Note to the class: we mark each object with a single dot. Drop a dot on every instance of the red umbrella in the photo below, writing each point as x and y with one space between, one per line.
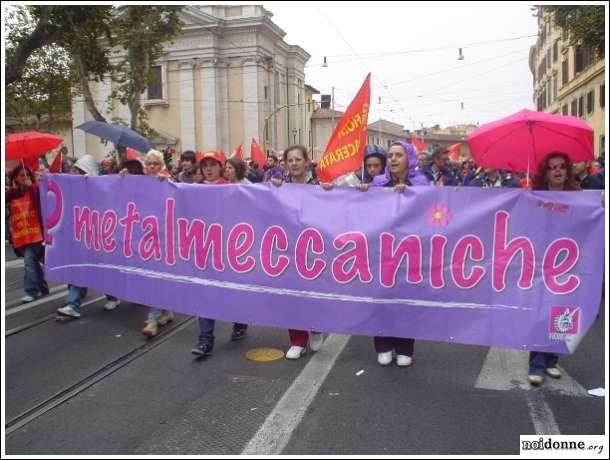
520 141
29 144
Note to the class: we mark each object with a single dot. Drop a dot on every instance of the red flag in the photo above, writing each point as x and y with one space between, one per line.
56 165
454 151
238 154
419 145
345 148
31 163
256 154
131 154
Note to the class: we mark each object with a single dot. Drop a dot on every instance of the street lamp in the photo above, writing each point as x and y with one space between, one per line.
294 135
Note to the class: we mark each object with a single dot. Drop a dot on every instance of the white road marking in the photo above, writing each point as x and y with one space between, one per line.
507 370
541 414
274 434
62 293
14 263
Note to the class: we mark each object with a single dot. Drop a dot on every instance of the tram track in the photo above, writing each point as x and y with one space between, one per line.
75 389
44 319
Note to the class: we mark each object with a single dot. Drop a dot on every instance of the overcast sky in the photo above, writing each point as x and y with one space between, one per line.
423 85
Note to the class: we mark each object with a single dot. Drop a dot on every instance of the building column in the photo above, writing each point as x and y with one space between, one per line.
79 143
222 81
187 105
209 104
292 111
250 93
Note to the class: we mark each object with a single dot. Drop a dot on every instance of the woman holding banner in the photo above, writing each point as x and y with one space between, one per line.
154 166
400 172
212 164
554 174
84 166
297 161
25 220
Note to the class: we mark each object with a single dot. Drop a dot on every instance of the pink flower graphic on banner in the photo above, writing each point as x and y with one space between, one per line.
438 215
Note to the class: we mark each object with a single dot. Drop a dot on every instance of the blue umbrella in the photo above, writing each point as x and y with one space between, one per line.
117 134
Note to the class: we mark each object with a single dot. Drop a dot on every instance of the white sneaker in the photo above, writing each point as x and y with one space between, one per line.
111 304
69 310
384 358
553 372
316 339
403 360
28 298
295 352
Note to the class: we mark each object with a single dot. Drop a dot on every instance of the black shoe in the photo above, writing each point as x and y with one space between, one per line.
203 349
238 334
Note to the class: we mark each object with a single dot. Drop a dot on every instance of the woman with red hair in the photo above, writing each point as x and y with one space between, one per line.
554 174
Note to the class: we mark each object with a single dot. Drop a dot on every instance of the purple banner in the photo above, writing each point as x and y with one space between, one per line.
499 267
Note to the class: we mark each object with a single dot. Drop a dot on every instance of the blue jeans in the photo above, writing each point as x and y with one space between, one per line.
75 295
206 332
33 276
154 313
540 360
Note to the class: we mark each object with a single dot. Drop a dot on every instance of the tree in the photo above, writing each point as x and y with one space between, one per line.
141 32
44 87
44 90
53 25
36 33
585 24
88 35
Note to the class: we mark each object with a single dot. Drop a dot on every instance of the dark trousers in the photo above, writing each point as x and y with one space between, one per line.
206 330
540 360
402 346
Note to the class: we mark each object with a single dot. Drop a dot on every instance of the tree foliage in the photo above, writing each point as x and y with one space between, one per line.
585 24
141 31
44 89
74 45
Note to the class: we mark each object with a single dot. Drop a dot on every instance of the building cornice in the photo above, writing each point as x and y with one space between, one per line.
582 79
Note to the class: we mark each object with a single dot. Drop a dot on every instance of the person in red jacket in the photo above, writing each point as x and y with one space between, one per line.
25 220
